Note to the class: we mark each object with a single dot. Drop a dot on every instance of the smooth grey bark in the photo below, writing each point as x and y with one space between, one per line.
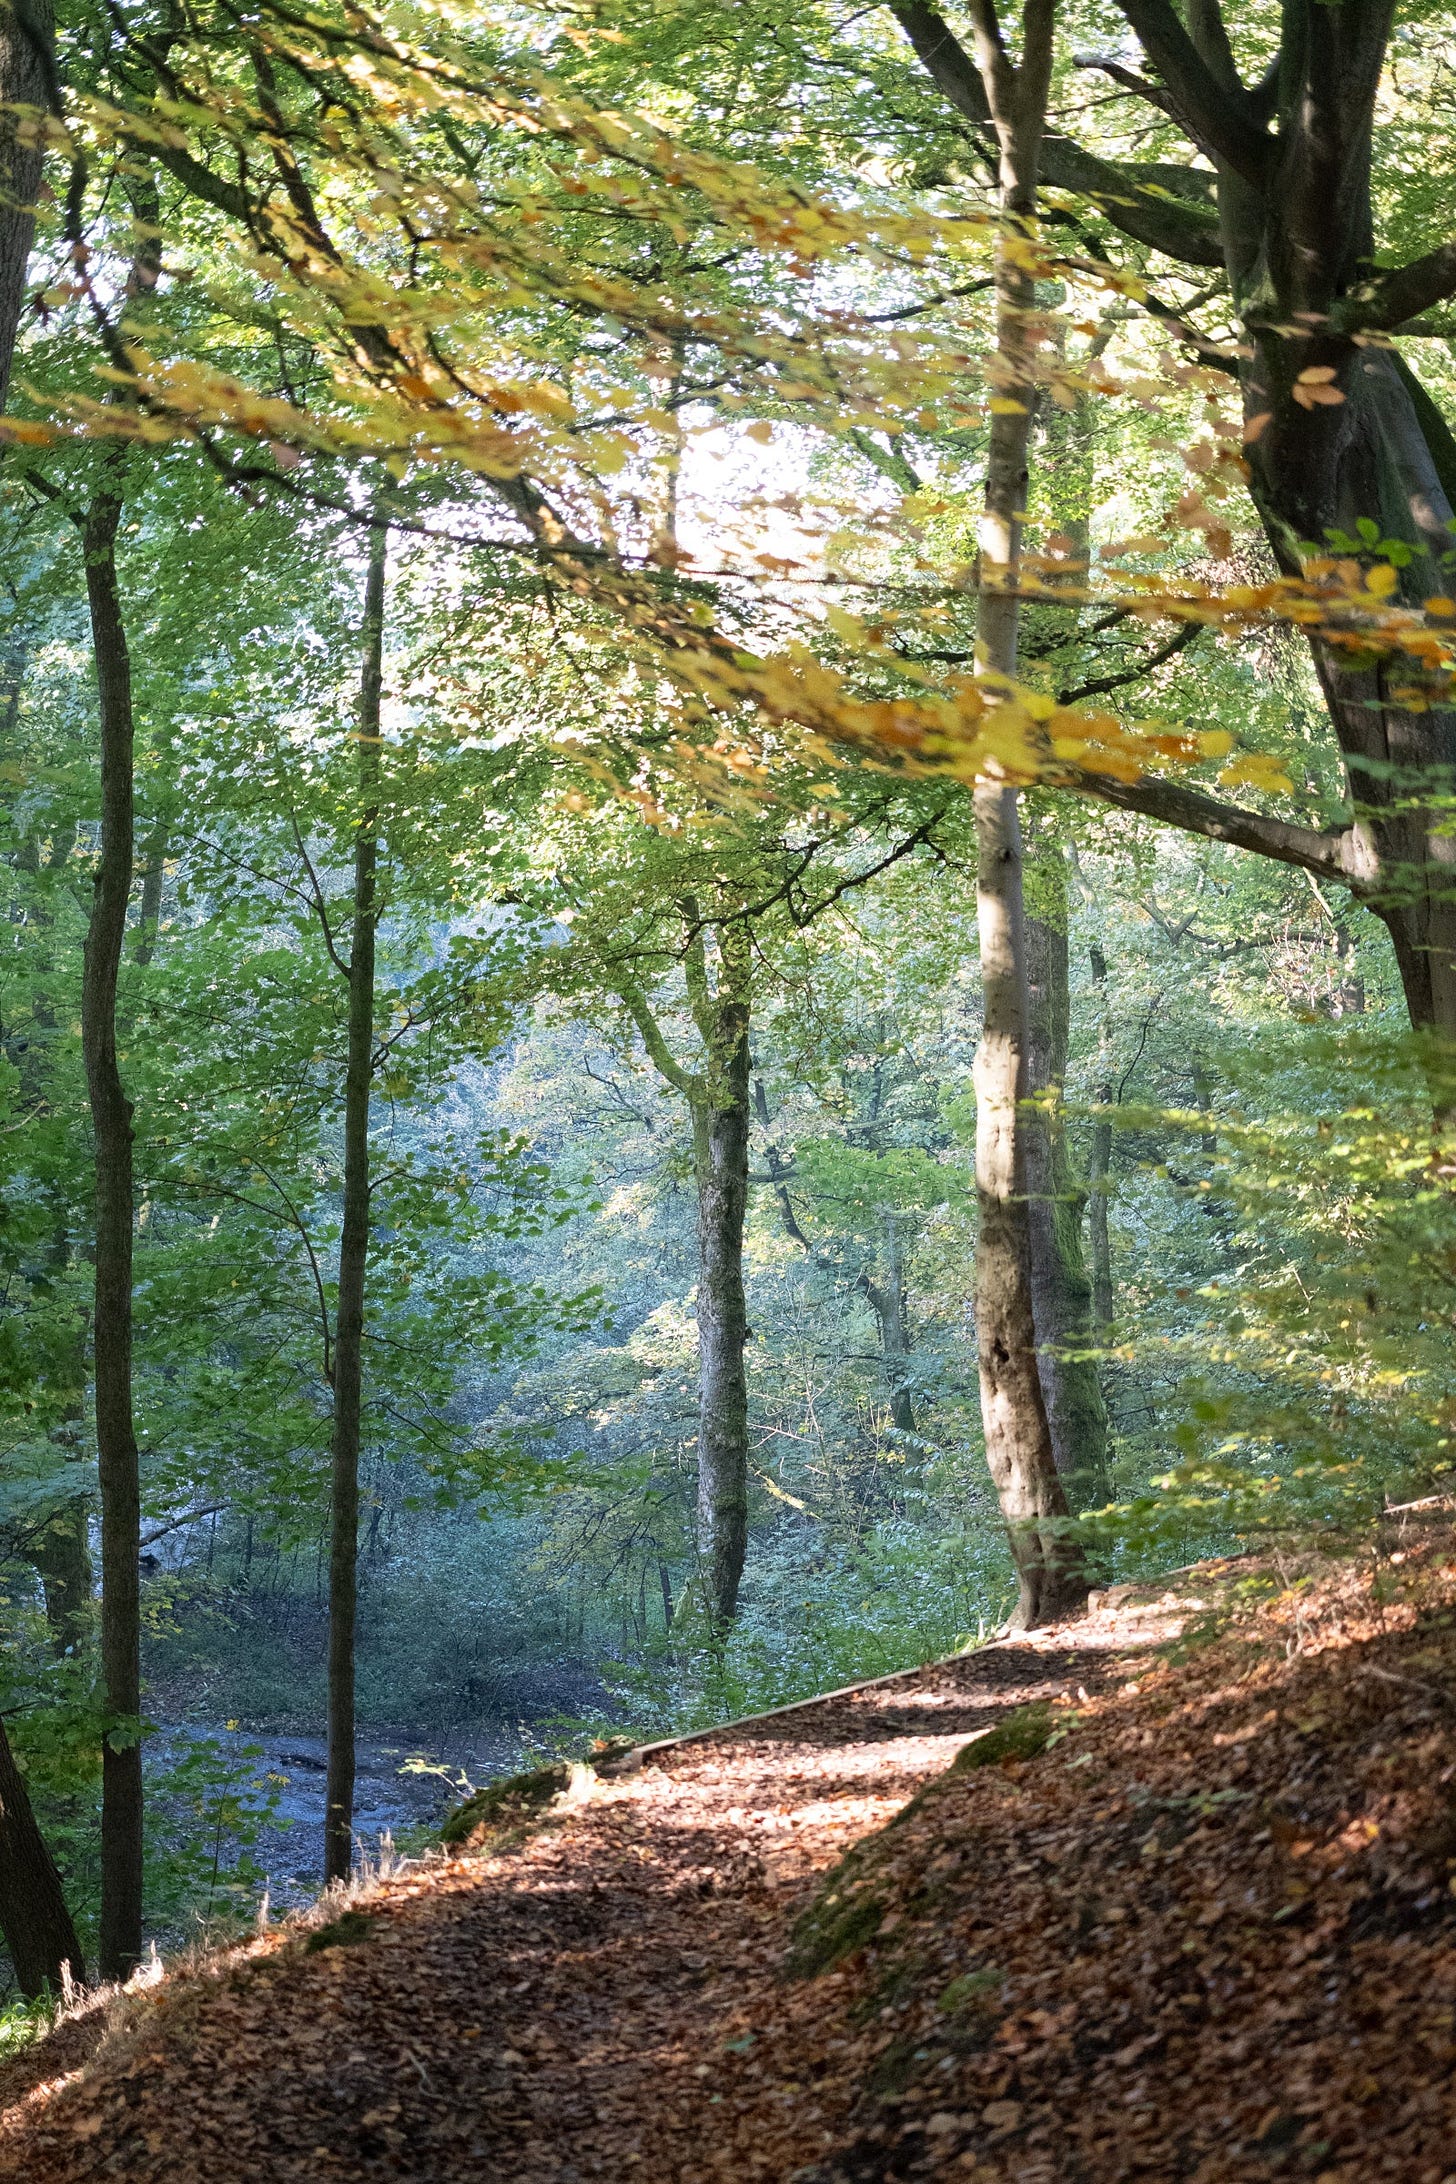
720 1152
1050 1577
120 1942
348 1358
34 1919
27 78
1061 1287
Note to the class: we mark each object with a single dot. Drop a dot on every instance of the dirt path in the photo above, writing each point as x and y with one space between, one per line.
565 2010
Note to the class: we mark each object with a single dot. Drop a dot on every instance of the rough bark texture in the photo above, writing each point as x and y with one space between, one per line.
33 1916
720 1144
1018 1439
27 78
120 1943
1061 1288
348 1361
1288 214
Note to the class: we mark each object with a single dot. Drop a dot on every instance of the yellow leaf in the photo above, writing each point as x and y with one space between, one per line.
1255 770
1001 405
1440 604
1216 743
1382 580
762 432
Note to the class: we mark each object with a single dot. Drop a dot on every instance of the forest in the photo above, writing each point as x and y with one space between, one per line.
728 764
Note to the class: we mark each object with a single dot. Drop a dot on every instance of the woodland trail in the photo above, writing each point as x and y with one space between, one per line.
570 2008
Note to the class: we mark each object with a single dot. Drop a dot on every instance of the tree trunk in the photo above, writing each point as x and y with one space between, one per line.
1297 228
120 1944
149 913
1013 1413
1099 1168
1061 1290
720 1144
27 78
1326 469
886 1299
33 1915
348 1361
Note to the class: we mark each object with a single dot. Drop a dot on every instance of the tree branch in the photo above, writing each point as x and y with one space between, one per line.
1176 644
1177 230
659 1053
1385 303
1334 854
1216 116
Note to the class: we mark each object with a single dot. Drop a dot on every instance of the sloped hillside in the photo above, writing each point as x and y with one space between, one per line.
1186 1911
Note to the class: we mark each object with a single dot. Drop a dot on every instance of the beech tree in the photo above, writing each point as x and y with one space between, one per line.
1339 432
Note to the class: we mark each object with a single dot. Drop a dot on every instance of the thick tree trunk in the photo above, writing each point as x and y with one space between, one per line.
1013 1413
27 78
348 1359
720 1142
1326 469
1061 1289
120 1942
1291 221
1297 227
33 1916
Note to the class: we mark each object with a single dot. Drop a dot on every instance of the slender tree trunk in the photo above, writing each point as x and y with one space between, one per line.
61 1559
27 78
348 1359
1099 1167
60 1551
1013 1413
33 1916
111 1114
150 909
1060 1285
720 1141
886 1299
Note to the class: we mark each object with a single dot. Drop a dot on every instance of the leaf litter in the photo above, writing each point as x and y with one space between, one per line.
1188 1913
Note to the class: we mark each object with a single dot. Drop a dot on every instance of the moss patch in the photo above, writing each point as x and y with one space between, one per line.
1024 1733
501 1808
344 1932
504 1805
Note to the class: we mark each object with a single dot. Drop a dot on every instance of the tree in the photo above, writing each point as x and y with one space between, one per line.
1013 1409
120 1945
27 79
348 1351
718 904
33 1917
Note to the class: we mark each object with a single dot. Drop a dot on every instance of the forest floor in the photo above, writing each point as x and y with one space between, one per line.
1194 1920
